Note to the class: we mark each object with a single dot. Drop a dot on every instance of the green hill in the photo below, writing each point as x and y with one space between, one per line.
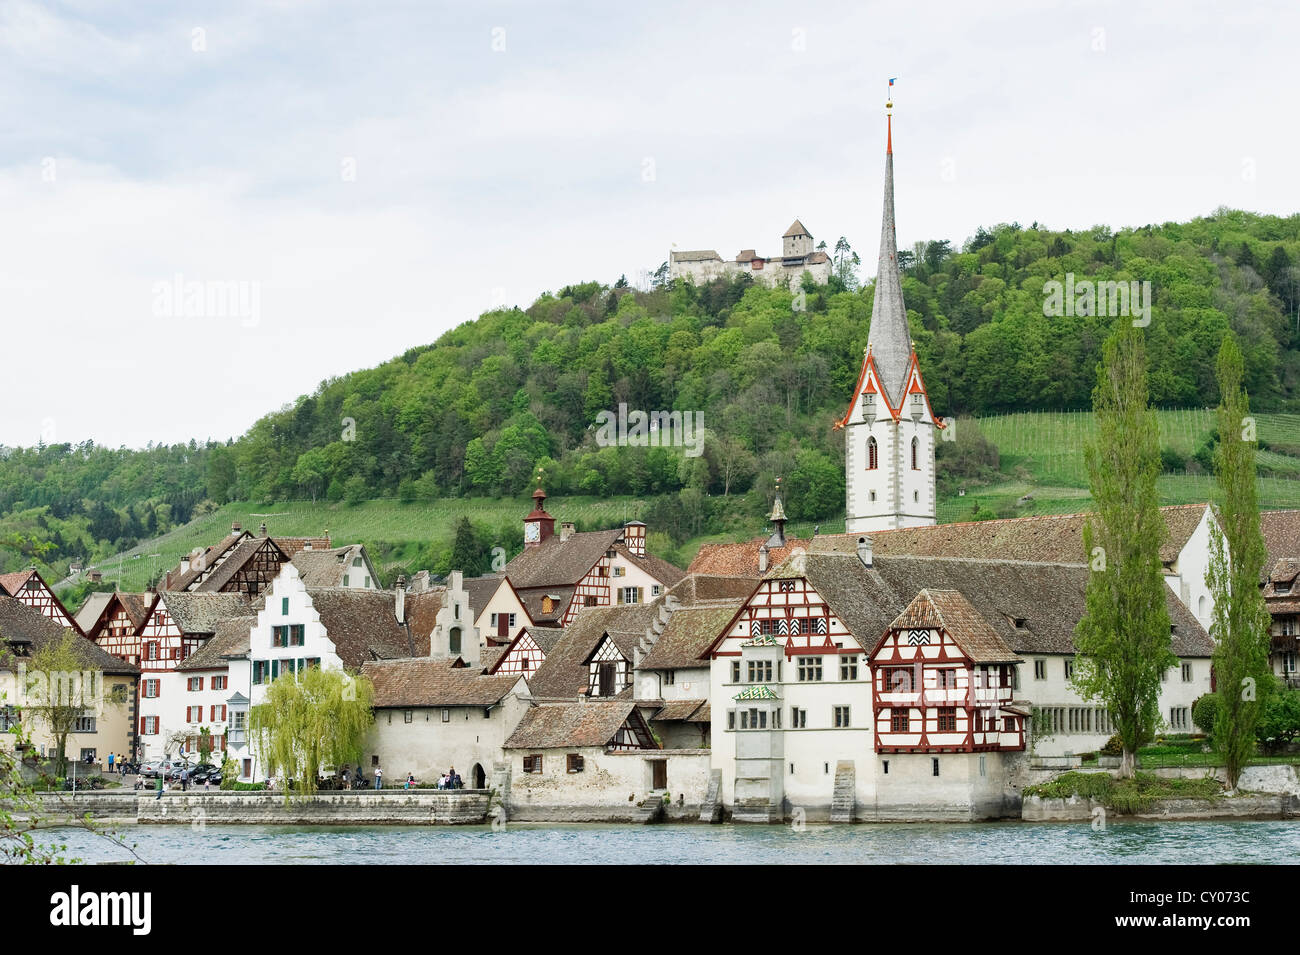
472 415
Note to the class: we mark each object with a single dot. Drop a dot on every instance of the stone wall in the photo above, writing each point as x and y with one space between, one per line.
1076 809
391 807
612 787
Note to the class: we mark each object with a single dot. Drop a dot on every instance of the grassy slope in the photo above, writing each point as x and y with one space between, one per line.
1043 452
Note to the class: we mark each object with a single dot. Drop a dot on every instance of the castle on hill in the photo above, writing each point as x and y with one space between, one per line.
797 257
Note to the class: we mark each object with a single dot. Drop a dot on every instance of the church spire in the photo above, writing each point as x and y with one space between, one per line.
888 338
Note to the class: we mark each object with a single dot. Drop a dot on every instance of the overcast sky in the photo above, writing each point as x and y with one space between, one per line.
377 173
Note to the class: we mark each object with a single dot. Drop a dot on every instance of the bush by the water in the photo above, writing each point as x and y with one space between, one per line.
1125 796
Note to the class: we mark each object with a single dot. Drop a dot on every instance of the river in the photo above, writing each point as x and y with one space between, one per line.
1120 842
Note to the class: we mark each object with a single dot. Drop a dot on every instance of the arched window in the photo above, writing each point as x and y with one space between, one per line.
916 466
872 457
454 642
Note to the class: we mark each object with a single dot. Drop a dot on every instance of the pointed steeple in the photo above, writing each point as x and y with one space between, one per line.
889 339
777 518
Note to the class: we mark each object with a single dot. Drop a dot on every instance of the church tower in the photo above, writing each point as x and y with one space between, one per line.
890 429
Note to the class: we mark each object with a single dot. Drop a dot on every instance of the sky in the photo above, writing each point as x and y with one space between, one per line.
206 209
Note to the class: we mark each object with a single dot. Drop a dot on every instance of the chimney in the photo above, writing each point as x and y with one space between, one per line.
399 609
762 558
235 528
262 530
566 530
864 551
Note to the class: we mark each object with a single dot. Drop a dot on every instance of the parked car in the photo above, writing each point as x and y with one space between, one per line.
151 768
204 771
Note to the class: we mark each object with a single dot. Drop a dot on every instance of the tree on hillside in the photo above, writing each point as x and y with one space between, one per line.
1123 639
1241 619
468 549
844 264
311 722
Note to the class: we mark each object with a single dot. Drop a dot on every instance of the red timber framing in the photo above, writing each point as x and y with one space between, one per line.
593 590
633 734
609 673
162 644
796 615
30 588
117 631
522 656
928 696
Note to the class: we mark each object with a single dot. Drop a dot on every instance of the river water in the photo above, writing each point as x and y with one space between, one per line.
1120 842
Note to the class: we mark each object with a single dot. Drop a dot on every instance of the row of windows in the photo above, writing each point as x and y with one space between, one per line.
1040 671
808 670
267 671
408 716
1051 720
873 453
292 635
195 683
217 713
903 679
756 719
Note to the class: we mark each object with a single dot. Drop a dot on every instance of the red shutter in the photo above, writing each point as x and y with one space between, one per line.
200 683
142 725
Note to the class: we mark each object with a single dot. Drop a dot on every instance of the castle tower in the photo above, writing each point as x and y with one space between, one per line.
796 241
890 428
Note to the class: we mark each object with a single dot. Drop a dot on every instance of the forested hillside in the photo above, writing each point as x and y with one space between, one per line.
479 410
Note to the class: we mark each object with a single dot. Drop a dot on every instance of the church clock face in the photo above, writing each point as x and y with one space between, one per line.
532 532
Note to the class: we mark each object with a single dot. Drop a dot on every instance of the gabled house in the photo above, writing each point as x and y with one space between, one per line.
432 716
527 651
499 613
117 626
336 567
596 655
30 587
107 727
239 563
201 688
558 575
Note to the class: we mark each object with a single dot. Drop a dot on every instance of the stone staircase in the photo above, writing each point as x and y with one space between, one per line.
842 800
711 810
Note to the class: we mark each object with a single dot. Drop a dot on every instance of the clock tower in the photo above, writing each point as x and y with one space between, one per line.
538 526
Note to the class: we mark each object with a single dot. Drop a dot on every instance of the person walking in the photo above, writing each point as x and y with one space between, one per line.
379 778
110 762
160 786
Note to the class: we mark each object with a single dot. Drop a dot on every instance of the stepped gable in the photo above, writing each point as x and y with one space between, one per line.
950 611
231 639
25 626
576 724
419 681
327 568
1047 599
199 613
361 625
563 674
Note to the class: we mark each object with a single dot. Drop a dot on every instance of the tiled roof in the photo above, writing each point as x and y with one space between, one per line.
422 611
688 634
233 562
679 710
230 639
419 681
481 589
695 588
91 610
10 584
1047 538
1281 531
952 612
181 580
200 613
1049 598
695 255
552 563
21 623
796 228
326 568
563 674
361 624
587 723
533 601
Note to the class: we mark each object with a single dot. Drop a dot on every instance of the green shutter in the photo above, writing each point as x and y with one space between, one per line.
284 607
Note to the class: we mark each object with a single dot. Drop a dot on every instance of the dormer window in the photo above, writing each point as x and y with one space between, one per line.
1282 587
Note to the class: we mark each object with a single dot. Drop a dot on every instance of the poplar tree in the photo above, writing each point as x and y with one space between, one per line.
1123 640
1240 624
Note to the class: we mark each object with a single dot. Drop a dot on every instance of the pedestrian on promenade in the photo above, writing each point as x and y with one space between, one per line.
379 778
160 786
110 762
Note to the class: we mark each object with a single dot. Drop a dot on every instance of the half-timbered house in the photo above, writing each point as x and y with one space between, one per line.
30 587
525 654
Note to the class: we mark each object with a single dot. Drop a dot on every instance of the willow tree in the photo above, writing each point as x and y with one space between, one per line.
1124 640
314 721
1240 623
